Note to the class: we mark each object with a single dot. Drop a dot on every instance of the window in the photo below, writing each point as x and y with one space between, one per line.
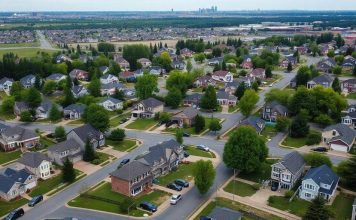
308 186
307 195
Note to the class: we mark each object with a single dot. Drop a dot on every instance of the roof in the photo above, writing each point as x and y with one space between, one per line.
292 161
26 80
151 102
46 105
277 107
9 177
131 170
255 122
78 89
64 146
54 76
20 133
143 60
22 106
76 107
128 74
114 85
346 134
160 151
323 174
193 97
187 113
86 132
257 72
108 76
5 79
225 213
115 101
322 78
32 159
103 68
221 73
350 81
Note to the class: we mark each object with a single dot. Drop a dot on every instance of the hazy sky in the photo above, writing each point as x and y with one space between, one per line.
147 5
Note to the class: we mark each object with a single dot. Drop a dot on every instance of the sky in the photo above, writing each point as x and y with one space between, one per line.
177 5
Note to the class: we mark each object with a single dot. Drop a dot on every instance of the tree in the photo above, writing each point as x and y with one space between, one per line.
223 65
89 152
173 98
106 47
33 97
317 210
68 172
289 67
299 127
97 116
49 87
209 99
303 76
60 133
180 80
282 124
204 175
248 102
337 70
331 53
16 90
117 135
245 150
216 52
336 85
94 87
25 116
54 113
255 86
354 71
179 136
316 160
134 52
165 61
240 91
278 95
146 85
38 82
215 125
68 97
346 170
189 66
199 124
8 105
268 72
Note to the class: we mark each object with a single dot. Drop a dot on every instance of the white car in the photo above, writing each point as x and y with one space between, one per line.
203 147
175 199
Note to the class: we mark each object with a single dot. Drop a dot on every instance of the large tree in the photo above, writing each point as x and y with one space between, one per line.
68 172
173 98
317 210
215 125
346 170
54 113
209 99
68 97
180 80
199 123
97 116
240 90
245 150
117 135
33 97
303 76
134 52
317 159
299 127
204 175
248 102
146 85
94 87
60 133
336 85
89 152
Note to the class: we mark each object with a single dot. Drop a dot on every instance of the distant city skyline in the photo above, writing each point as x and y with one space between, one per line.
177 5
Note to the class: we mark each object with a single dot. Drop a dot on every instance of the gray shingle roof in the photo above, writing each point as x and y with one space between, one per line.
131 170
115 101
86 132
293 161
26 80
159 151
277 107
193 97
325 78
23 134
346 134
76 107
55 76
3 80
255 122
323 174
33 159
10 176
77 89
64 146
187 113
151 102
225 214
112 86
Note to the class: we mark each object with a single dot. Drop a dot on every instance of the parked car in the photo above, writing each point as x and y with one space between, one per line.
186 134
174 187
320 149
35 200
186 154
274 186
155 181
203 147
181 183
205 218
17 213
148 206
175 199
124 161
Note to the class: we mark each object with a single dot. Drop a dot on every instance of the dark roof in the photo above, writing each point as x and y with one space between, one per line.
10 176
107 76
131 170
115 101
86 132
293 161
3 80
323 78
346 134
193 97
222 213
64 146
33 159
26 80
187 113
350 81
255 122
159 151
77 89
151 102
22 106
22 133
323 174
277 107
76 107
114 85
54 76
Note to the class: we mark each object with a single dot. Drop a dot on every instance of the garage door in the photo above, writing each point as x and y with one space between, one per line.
338 147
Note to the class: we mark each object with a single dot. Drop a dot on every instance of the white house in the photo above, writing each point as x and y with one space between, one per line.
111 104
37 163
223 76
108 78
6 84
79 91
354 210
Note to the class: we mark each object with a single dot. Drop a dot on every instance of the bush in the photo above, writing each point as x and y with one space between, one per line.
96 161
26 116
317 159
117 135
126 204
256 186
289 194
313 138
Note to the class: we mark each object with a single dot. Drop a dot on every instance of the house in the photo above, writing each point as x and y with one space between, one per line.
290 59
163 157
128 76
273 110
86 133
349 63
223 76
20 107
354 210
37 163
147 108
43 110
132 179
186 53
111 104
178 64
28 81
204 81
6 84
108 78
62 58
339 137
288 170
231 87
56 77
79 74
156 70
225 98
186 117
69 148
225 214
144 62
215 61
247 63
110 89
255 122
258 73
192 100
15 183
350 118
17 137
74 111
301 50
79 91
124 64
326 65
245 79
349 85
104 69
320 181
324 80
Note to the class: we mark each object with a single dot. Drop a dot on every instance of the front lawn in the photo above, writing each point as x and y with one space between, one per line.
342 206
184 171
6 207
141 124
351 96
191 130
114 122
263 173
6 157
101 158
233 108
125 145
44 186
297 206
200 153
240 188
76 122
294 142
268 132
46 142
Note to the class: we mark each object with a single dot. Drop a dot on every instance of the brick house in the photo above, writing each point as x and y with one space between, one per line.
12 138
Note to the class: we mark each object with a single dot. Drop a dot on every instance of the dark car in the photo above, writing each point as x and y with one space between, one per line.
148 206
124 161
174 187
35 200
186 134
274 186
205 218
17 213
181 183
186 154
320 149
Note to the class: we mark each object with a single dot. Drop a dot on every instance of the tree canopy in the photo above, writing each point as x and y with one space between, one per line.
146 85
204 175
248 102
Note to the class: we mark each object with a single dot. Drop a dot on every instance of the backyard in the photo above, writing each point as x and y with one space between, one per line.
6 207
192 150
184 171
125 145
141 124
239 188
10 156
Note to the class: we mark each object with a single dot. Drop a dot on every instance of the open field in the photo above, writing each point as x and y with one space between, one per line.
25 52
33 44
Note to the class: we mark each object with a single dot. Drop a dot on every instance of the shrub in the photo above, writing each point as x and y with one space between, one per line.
26 116
117 135
313 138
96 161
289 194
256 186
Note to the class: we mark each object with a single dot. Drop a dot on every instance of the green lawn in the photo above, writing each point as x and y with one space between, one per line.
125 145
263 173
46 142
226 203
192 150
191 130
142 124
294 142
10 156
240 188
114 122
233 108
104 191
6 116
184 171
297 206
342 206
6 207
268 132
32 44
76 122
351 96
45 186
27 52
101 158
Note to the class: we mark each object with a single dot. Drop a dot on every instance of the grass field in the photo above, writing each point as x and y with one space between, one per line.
351 96
10 156
184 171
6 207
263 173
233 108
141 124
297 206
240 188
342 206
27 52
268 132
294 142
101 158
33 44
191 130
45 186
124 145
200 153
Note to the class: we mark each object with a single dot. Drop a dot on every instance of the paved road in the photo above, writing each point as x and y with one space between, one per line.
45 44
